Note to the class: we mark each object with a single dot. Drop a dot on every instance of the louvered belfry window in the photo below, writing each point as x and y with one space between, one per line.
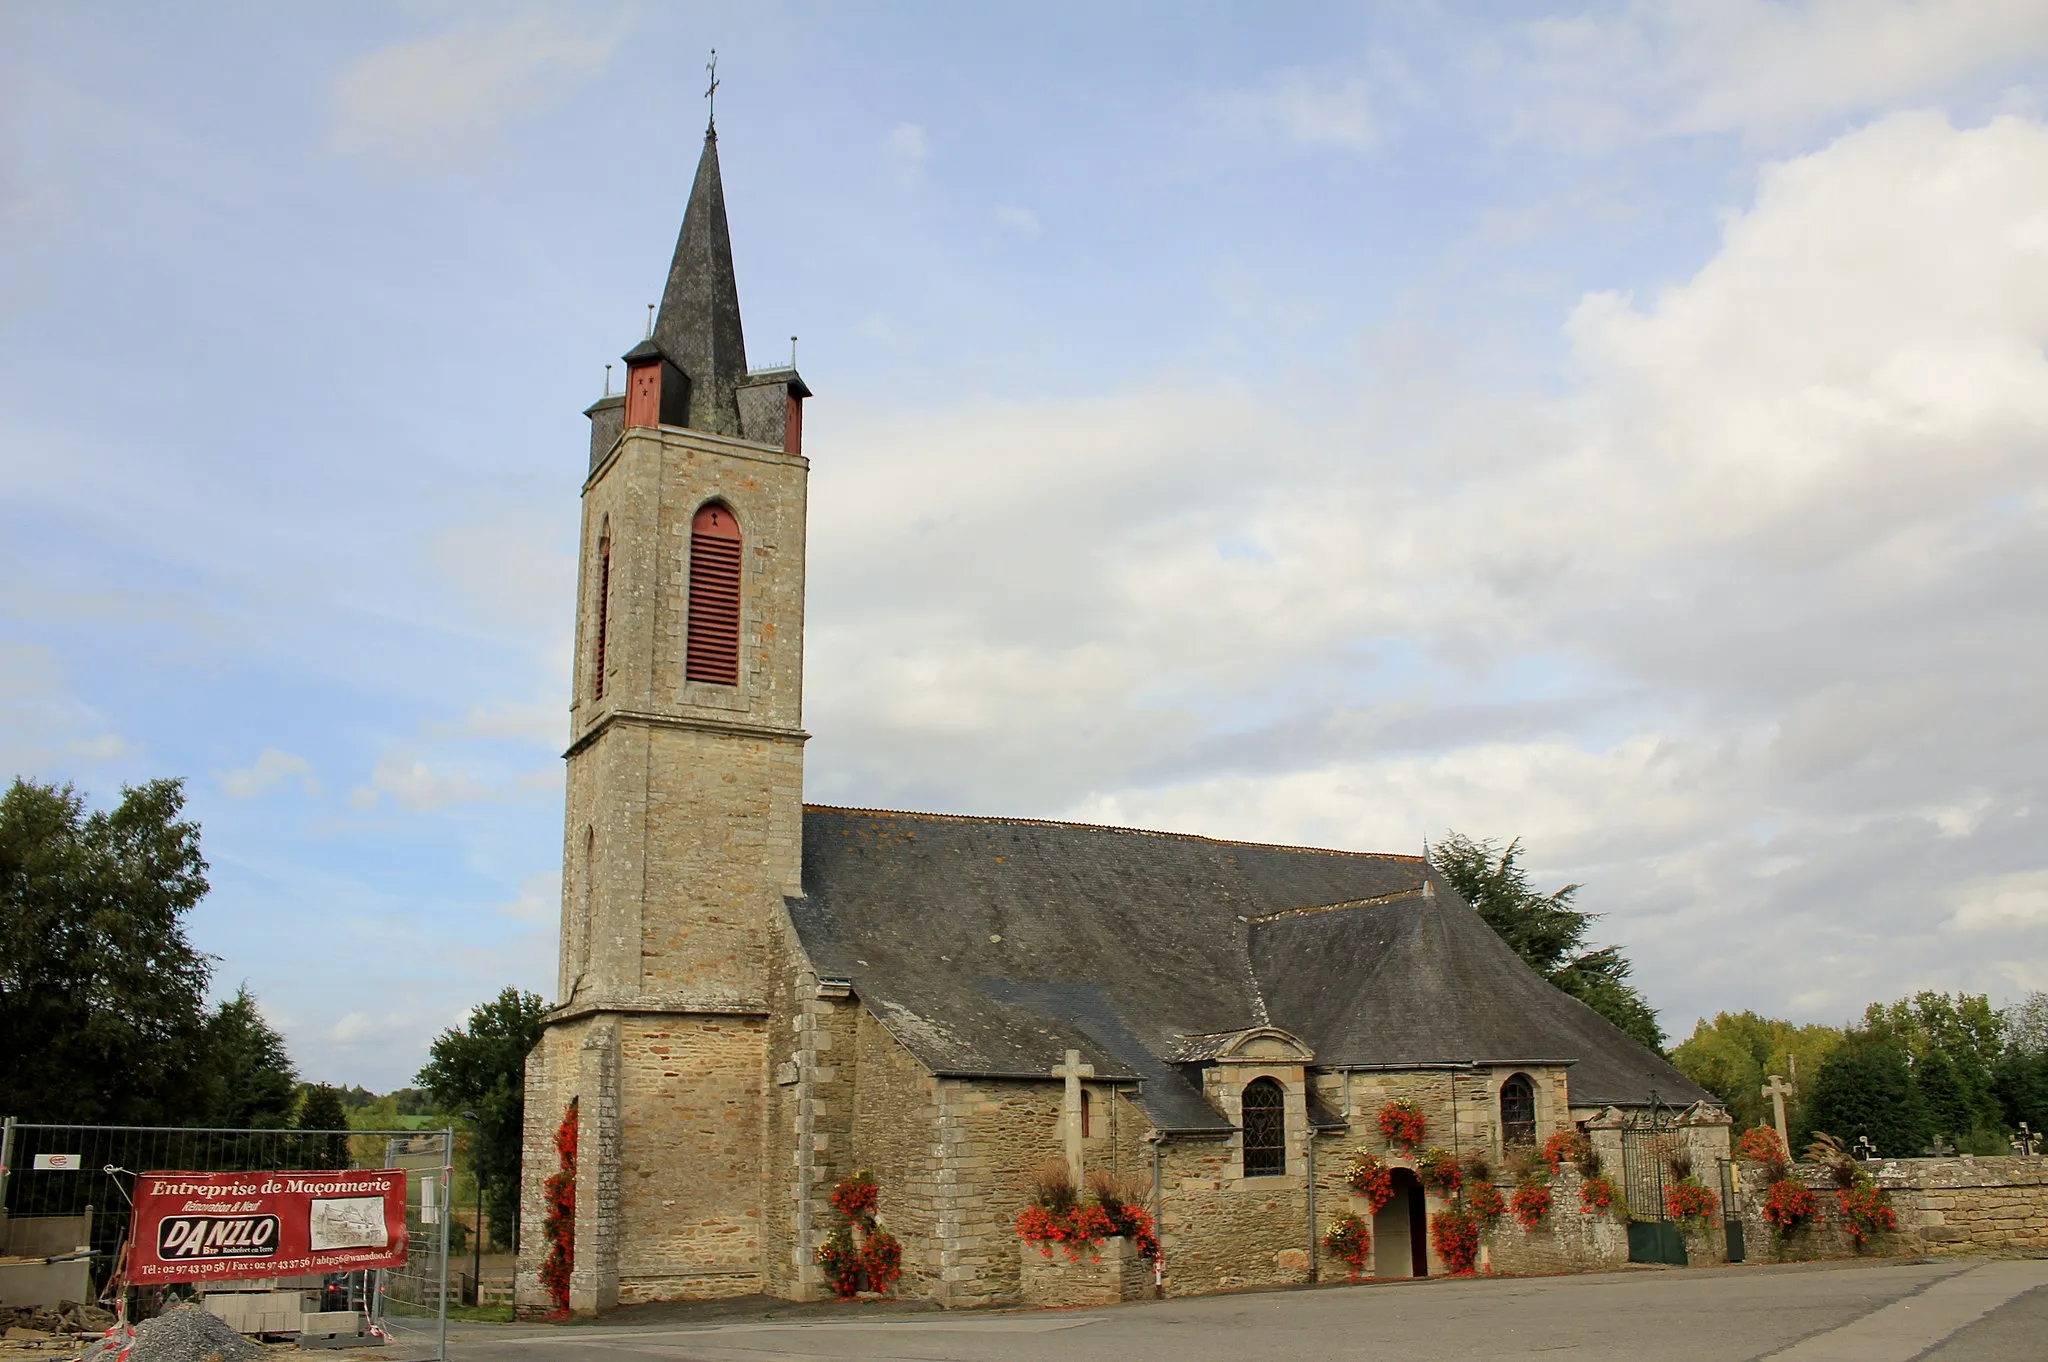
1265 1129
604 610
713 654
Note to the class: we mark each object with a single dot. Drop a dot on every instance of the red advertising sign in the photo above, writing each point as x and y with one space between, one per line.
204 1226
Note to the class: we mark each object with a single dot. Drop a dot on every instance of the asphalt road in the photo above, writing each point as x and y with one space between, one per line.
1949 1311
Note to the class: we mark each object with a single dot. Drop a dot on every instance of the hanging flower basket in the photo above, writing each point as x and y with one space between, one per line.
1867 1211
1439 1171
1531 1202
1566 1146
1692 1202
1350 1239
856 1198
1401 1122
1485 1201
1598 1193
1791 1204
1369 1176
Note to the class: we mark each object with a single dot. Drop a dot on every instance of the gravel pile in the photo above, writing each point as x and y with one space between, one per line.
185 1334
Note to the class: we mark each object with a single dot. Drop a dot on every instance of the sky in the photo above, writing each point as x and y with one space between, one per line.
1620 427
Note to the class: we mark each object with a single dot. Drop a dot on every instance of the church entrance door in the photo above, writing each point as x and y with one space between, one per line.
1400 1238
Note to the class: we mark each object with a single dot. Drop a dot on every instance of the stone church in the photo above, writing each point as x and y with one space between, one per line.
758 997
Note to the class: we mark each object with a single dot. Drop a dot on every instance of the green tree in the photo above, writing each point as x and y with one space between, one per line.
102 998
2020 1075
322 1109
1735 1054
252 1082
1546 931
481 1067
1866 1087
1955 1043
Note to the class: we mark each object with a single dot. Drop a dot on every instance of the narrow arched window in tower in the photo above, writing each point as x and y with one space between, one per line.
1265 1129
604 608
713 652
1518 1110
1087 1113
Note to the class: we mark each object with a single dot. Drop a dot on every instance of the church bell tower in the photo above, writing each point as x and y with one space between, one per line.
685 801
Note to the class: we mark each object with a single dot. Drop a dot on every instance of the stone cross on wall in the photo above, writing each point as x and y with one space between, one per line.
1070 1112
1778 1090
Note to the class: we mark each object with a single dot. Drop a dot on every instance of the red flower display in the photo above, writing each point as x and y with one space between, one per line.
1530 1203
1401 1122
1867 1211
1760 1144
859 1255
1350 1239
1454 1233
1369 1176
1790 1204
1566 1146
1597 1194
1484 1200
881 1259
856 1198
1439 1171
1690 1200
559 1228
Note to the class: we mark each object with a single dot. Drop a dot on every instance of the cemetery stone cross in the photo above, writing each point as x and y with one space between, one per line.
1070 1111
1778 1090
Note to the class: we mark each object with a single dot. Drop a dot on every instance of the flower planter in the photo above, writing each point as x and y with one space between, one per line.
1112 1271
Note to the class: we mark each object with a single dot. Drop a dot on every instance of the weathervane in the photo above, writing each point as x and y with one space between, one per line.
711 121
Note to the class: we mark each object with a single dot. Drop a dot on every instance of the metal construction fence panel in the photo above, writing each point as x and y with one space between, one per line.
89 1171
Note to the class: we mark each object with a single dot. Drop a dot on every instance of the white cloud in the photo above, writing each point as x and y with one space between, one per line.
1315 108
272 770
2003 901
1022 221
1742 629
1758 68
539 900
543 723
420 788
435 101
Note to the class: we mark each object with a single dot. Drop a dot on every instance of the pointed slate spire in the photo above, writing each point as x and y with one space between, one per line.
698 327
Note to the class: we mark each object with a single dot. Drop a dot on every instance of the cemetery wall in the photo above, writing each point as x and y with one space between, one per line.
1951 1205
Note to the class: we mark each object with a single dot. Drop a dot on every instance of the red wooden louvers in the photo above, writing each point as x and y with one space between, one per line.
604 610
713 653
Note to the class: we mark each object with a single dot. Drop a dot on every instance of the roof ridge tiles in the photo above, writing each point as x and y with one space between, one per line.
1008 821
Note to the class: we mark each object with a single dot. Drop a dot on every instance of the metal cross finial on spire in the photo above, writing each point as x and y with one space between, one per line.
711 121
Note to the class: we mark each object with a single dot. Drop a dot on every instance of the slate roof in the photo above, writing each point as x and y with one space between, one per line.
698 328
991 946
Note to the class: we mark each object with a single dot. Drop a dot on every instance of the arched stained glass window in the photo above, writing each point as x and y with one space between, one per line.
1265 1129
713 652
1518 1110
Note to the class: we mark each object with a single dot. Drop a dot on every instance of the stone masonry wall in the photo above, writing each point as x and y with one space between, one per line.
996 1132
1954 1205
897 1134
689 1166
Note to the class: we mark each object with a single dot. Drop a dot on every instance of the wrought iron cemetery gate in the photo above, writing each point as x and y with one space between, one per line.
1646 1141
89 1172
